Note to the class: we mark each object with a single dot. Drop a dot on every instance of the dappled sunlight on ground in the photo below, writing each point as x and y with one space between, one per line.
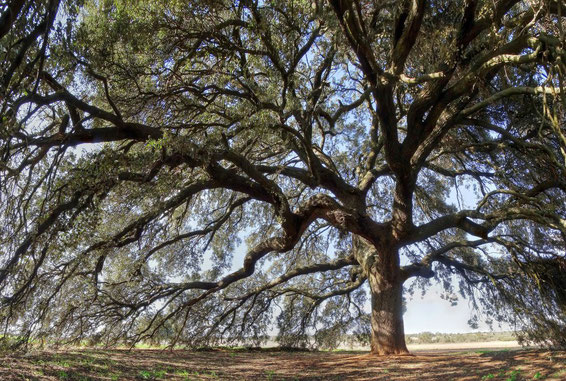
237 364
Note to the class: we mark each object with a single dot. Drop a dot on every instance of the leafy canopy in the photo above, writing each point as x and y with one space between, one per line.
143 143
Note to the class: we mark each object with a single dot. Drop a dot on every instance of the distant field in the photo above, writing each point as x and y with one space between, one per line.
271 364
472 337
464 346
430 340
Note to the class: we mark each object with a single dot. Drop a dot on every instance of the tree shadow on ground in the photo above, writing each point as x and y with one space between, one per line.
232 364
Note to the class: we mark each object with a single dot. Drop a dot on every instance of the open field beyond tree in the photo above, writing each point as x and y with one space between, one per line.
273 364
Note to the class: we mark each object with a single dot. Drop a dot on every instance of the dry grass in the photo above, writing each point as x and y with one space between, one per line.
233 364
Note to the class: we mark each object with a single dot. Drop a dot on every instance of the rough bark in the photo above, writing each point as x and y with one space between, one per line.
386 284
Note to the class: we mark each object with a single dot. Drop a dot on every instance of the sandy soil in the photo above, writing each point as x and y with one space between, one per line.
225 364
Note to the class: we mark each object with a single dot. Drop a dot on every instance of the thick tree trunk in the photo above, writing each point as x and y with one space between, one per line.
386 284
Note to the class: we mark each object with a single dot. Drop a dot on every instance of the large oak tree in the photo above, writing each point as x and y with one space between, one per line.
343 143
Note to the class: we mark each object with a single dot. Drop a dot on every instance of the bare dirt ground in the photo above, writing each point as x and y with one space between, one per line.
232 364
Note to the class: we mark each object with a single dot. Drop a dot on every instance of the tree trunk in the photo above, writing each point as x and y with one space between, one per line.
386 284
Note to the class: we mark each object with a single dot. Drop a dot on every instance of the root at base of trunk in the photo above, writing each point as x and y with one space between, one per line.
401 353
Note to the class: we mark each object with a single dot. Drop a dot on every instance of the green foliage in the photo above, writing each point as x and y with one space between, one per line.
152 374
146 145
269 374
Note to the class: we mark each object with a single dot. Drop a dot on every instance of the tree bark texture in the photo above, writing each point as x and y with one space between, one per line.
386 284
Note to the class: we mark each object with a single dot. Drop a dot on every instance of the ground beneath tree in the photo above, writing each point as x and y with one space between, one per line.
233 364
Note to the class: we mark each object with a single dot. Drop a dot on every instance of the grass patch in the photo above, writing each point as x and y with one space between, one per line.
156 374
558 375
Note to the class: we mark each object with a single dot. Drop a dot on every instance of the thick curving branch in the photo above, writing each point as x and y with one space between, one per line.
304 270
423 268
461 220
